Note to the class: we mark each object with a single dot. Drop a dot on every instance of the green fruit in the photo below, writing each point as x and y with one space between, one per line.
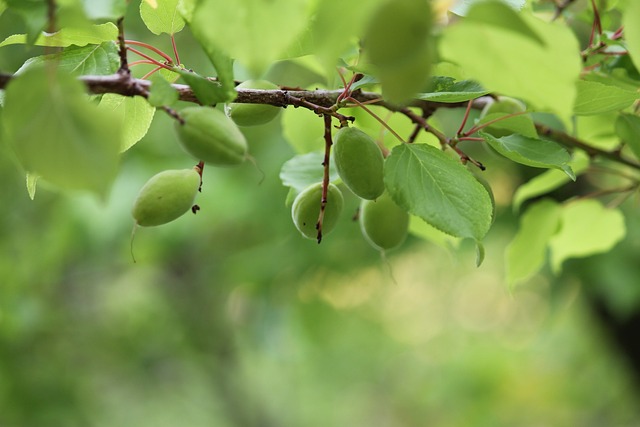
502 105
383 223
359 162
166 196
306 209
253 114
209 135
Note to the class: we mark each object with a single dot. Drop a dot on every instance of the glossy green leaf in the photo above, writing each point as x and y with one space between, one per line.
33 14
628 130
433 186
136 116
398 44
597 98
161 92
304 170
537 153
254 32
527 252
507 62
588 228
500 15
100 59
549 180
446 89
83 36
631 24
58 134
164 18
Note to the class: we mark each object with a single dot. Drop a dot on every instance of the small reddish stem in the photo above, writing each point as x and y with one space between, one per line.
152 48
150 73
175 48
465 118
153 61
490 122
469 138
325 177
375 116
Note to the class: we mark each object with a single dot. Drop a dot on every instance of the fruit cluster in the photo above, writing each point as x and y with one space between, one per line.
360 164
214 138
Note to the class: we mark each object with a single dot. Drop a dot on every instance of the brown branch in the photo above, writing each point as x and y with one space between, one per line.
322 102
325 178
122 48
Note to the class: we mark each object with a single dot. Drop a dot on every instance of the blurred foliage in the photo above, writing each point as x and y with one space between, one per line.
230 318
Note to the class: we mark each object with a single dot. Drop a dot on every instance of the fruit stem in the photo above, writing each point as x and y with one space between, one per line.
465 118
175 48
325 177
375 116
152 48
150 73
475 129
154 61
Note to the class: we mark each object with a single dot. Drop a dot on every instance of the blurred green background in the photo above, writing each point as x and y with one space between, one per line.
230 318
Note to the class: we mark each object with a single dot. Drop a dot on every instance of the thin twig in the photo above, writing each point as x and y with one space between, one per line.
325 178
124 65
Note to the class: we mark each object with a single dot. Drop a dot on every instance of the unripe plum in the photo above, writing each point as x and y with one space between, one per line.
166 196
253 114
209 135
306 210
383 223
359 162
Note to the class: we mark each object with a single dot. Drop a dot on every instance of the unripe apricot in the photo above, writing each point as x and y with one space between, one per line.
359 162
383 223
306 210
166 196
253 114
209 135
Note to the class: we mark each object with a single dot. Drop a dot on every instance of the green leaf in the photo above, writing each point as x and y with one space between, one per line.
521 124
136 115
34 15
105 9
527 252
628 130
58 134
162 19
304 170
208 92
254 32
32 181
101 59
433 186
502 16
333 33
461 7
537 153
549 180
510 63
398 44
83 36
632 31
588 228
596 98
161 92
303 130
446 89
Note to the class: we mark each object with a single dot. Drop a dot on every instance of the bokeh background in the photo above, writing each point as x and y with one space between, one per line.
230 318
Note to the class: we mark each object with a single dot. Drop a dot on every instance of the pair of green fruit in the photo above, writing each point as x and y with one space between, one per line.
210 136
359 163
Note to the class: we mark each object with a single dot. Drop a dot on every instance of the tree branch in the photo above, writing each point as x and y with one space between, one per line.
321 102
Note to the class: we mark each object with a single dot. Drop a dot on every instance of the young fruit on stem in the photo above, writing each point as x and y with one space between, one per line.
166 196
253 114
359 162
306 210
209 135
383 223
